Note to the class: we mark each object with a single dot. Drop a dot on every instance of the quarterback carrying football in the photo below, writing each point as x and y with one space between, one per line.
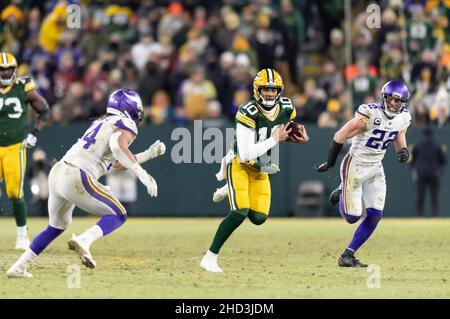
260 125
16 93
374 127
73 180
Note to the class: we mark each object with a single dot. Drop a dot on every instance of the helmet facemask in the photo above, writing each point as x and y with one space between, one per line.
5 78
386 104
269 104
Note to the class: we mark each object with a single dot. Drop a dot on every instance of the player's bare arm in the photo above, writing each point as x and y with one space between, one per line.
353 127
40 106
401 147
350 129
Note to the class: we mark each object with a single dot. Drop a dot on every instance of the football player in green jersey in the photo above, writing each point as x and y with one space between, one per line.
16 93
260 125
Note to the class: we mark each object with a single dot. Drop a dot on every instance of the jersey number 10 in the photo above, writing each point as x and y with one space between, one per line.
376 141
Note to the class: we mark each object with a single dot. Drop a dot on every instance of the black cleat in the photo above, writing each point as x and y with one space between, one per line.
350 261
335 195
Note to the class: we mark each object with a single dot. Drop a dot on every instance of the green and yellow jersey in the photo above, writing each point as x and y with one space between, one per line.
254 117
14 110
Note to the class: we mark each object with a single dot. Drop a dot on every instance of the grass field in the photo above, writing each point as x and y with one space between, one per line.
284 258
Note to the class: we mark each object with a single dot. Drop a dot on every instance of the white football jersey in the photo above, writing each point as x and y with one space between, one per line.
91 152
370 145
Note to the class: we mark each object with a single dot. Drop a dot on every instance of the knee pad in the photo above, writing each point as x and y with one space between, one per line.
257 218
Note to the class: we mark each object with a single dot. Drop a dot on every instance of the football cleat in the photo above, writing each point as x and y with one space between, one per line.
335 195
220 194
209 263
22 243
350 261
82 250
18 272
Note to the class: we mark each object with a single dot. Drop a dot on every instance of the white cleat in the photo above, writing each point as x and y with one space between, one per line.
82 250
220 194
210 264
17 272
22 243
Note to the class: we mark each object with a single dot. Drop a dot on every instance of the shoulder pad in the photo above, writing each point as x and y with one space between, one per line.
364 112
246 114
126 124
27 82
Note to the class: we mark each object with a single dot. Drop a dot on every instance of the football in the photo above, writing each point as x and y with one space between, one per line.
297 129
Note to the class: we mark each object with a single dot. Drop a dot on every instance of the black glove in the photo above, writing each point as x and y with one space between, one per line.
322 167
403 155
333 153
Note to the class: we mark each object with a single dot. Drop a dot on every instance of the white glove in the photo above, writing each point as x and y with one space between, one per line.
149 182
156 149
30 141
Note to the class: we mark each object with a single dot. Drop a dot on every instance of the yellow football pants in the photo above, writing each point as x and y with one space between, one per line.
248 189
13 161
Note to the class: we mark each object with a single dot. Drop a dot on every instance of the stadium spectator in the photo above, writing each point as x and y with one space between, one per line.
12 29
52 27
151 46
428 161
363 85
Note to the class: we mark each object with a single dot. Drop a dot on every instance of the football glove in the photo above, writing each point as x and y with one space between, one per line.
321 167
30 141
156 149
149 182
403 155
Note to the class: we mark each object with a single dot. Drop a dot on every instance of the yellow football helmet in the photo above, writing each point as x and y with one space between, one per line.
8 68
268 78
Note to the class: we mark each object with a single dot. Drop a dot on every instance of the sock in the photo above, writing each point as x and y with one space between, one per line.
92 234
226 228
19 207
27 257
348 252
211 255
110 223
44 238
366 228
22 231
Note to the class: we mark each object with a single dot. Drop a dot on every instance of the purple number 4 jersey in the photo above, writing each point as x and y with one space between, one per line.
91 152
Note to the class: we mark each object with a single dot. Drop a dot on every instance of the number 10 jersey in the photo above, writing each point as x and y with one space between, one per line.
91 152
370 145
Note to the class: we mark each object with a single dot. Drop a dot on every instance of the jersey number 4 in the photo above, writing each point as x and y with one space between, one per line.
90 135
377 141
17 108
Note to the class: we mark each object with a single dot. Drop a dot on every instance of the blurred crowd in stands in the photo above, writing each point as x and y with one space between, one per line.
197 59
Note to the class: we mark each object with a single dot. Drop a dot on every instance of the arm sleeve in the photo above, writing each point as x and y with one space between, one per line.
247 149
121 156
